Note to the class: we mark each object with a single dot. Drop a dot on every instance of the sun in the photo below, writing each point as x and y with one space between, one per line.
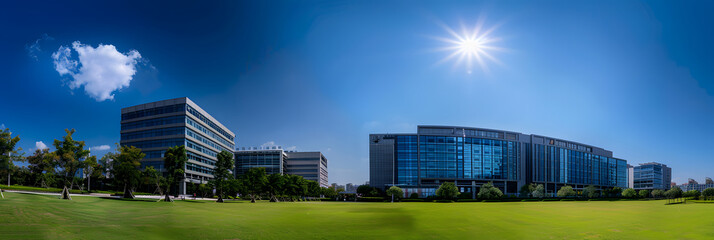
470 46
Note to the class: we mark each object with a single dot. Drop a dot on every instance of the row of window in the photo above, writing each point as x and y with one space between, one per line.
157 143
209 133
154 111
153 133
197 158
206 141
554 164
210 123
153 122
199 168
197 147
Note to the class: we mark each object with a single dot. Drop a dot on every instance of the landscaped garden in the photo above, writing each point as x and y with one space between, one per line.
31 216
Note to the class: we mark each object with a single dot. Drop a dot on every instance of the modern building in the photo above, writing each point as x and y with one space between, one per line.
155 127
309 165
350 187
630 176
652 176
470 157
694 185
272 159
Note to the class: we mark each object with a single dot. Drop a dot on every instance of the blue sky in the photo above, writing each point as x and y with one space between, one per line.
634 78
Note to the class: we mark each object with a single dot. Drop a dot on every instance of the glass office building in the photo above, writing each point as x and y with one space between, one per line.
470 157
652 176
310 165
156 126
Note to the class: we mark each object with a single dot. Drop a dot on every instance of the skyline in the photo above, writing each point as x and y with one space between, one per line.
632 78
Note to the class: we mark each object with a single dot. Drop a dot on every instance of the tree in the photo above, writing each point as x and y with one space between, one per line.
296 187
708 193
365 190
590 191
234 187
313 188
539 191
629 193
254 182
447 190
657 193
175 164
7 150
566 191
616 191
488 191
152 177
692 194
276 186
674 192
68 156
88 166
329 192
526 190
395 191
126 169
222 173
42 167
644 193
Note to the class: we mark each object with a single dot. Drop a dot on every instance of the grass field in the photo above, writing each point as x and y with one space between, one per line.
27 216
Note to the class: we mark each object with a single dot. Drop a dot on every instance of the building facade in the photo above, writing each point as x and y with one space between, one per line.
652 176
273 160
694 185
470 157
155 127
310 165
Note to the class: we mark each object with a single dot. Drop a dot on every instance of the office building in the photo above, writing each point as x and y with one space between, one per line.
652 176
310 165
694 185
272 159
155 127
470 157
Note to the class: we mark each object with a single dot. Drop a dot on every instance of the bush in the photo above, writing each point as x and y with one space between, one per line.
566 191
443 201
414 196
644 193
491 200
657 193
447 190
567 199
465 195
468 200
629 193
531 200
327 199
488 191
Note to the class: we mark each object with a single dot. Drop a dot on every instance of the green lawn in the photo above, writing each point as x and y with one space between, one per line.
26 216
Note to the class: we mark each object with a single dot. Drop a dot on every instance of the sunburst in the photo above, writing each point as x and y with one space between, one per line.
471 45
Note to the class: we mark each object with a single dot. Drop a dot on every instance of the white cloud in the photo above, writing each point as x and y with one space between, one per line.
268 144
101 70
40 145
34 48
2 126
101 148
291 148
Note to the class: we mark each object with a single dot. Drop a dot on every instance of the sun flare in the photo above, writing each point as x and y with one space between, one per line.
471 46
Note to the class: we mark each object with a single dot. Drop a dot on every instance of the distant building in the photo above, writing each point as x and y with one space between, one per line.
350 187
337 186
470 157
309 165
652 176
694 185
157 126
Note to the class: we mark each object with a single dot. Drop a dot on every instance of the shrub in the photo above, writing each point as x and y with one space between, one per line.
414 196
412 200
657 193
629 193
566 191
443 201
371 199
465 195
447 190
644 193
488 191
